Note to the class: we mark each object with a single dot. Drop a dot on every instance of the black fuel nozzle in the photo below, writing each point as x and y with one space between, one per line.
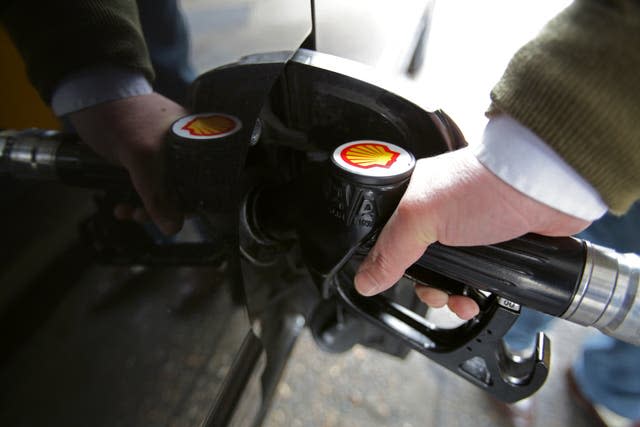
561 276
204 159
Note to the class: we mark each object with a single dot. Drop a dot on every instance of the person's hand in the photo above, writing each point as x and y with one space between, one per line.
131 132
453 199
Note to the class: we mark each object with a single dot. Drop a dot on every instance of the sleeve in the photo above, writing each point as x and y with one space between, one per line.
95 86
521 159
58 38
577 87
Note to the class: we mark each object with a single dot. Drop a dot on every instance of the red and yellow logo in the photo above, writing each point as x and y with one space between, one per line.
214 125
369 155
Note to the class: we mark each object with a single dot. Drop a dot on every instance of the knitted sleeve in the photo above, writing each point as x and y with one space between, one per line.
577 86
57 38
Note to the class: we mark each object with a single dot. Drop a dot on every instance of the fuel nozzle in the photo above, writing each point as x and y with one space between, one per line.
562 276
368 181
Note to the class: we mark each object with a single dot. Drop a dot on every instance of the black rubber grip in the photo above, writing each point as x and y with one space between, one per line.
539 272
76 164
206 173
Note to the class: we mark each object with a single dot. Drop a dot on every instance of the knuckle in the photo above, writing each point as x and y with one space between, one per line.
407 209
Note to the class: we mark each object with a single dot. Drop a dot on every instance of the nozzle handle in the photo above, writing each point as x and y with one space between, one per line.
536 271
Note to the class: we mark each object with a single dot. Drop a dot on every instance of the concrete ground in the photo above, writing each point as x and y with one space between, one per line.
365 388
467 51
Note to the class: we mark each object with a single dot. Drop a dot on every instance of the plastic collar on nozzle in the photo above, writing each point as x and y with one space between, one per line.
368 180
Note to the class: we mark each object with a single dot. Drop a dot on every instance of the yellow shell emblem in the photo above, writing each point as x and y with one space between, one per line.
214 125
369 155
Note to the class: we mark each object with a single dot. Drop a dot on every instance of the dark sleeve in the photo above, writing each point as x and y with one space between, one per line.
57 38
577 86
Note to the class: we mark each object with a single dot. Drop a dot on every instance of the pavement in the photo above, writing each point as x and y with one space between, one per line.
463 59
363 387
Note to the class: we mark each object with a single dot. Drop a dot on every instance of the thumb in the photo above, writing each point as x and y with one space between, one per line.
162 208
402 241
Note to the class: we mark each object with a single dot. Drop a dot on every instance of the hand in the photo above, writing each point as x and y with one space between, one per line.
131 132
453 199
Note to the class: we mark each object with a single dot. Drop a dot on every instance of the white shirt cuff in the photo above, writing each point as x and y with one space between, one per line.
95 86
520 158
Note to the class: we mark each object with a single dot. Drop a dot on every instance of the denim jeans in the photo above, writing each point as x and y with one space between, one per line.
607 370
167 37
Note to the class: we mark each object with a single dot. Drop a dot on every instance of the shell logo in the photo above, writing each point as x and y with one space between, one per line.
369 155
214 125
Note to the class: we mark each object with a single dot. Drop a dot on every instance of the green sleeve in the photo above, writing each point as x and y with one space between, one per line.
57 38
577 86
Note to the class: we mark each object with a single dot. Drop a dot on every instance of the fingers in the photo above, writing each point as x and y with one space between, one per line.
431 296
464 307
123 212
140 216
